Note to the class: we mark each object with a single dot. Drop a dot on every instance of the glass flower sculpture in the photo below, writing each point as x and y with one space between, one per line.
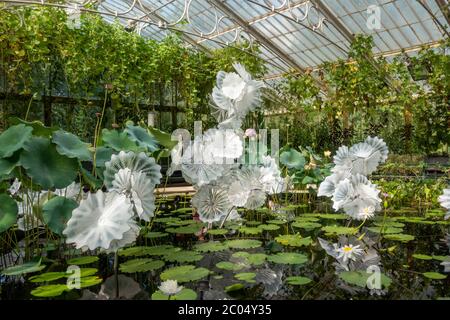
444 200
213 163
348 186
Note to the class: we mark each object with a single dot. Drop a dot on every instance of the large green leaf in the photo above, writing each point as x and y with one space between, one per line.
51 290
103 154
184 273
57 211
13 139
28 267
8 212
243 243
360 278
298 280
293 159
48 276
163 138
119 141
38 127
142 137
82 260
71 146
8 164
46 166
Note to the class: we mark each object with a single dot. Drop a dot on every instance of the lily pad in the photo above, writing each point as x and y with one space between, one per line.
46 166
385 230
333 216
234 287
151 251
298 281
190 229
402 237
28 267
48 276
268 227
13 139
248 277
82 260
243 244
255 259
435 275
218 232
339 230
119 141
361 278
250 230
307 225
293 240
8 212
422 256
90 281
184 273
226 265
48 291
184 294
57 211
288 258
211 246
156 234
140 265
183 256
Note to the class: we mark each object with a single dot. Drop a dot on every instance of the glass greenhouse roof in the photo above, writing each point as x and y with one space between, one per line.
292 34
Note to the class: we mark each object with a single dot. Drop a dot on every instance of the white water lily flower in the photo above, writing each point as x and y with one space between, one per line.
139 188
211 203
348 252
444 200
170 287
99 220
354 195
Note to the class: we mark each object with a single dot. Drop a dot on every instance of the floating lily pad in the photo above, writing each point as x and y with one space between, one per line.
28 267
71 146
422 256
385 230
48 276
140 265
226 265
339 230
288 258
8 212
250 230
435 275
252 223
150 251
90 281
307 225
248 277
293 240
402 237
13 139
82 260
183 256
298 281
234 287
361 278
85 272
156 234
211 246
218 231
57 211
190 229
268 227
333 216
48 291
276 221
184 273
442 258
184 294
243 244
255 259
